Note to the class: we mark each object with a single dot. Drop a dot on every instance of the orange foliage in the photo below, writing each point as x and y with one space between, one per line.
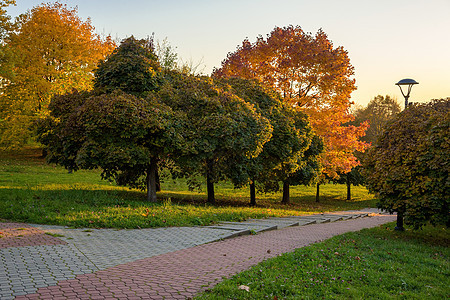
54 52
314 77
57 51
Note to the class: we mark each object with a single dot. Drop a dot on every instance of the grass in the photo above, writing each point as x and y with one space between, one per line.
376 263
35 192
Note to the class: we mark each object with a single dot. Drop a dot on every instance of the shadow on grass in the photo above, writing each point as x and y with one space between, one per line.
427 235
96 198
111 208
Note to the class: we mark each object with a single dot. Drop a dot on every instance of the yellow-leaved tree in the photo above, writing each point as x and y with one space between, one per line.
55 51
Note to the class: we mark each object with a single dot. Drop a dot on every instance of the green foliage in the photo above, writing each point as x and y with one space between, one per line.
61 133
374 263
354 177
310 168
132 67
216 126
122 134
409 165
167 57
120 127
117 132
378 112
285 152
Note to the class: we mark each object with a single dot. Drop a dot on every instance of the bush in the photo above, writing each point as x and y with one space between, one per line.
408 167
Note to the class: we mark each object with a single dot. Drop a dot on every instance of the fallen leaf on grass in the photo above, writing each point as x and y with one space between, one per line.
244 287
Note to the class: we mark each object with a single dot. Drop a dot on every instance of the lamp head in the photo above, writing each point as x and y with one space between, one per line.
407 81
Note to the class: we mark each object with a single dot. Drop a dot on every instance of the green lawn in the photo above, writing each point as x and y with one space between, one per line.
376 263
33 191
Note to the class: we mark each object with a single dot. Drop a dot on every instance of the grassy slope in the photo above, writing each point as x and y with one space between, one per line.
32 191
374 263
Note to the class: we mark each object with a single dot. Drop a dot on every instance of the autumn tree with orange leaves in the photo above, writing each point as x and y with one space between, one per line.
55 51
314 77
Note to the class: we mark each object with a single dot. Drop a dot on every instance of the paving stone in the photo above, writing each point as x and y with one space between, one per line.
77 255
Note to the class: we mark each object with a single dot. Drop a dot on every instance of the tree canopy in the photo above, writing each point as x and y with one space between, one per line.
215 124
377 113
409 165
283 154
132 68
314 77
54 52
127 126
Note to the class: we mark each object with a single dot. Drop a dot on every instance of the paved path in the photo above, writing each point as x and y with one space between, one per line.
170 263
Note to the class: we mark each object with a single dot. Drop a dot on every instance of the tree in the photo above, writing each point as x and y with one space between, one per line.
120 133
6 28
409 165
167 57
120 127
314 77
215 125
377 113
132 67
5 21
310 171
55 51
354 177
285 151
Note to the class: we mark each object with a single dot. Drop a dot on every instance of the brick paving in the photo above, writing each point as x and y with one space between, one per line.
184 273
21 235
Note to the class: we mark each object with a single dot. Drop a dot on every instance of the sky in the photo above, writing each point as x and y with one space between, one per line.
386 40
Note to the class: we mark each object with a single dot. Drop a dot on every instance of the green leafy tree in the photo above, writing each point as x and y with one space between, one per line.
215 125
409 165
125 136
378 112
285 150
132 67
354 177
120 133
310 170
120 127
167 56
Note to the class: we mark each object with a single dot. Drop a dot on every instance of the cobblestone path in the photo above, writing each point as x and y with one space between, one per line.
164 263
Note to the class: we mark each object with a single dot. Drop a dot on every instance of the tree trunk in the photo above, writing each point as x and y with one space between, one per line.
317 193
349 192
158 181
210 183
399 226
151 180
286 199
252 193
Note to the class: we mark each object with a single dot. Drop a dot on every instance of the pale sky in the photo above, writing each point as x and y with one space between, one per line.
387 40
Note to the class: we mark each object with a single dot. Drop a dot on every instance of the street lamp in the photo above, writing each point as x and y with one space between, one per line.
409 83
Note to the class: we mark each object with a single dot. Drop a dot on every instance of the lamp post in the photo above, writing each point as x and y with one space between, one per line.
408 83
